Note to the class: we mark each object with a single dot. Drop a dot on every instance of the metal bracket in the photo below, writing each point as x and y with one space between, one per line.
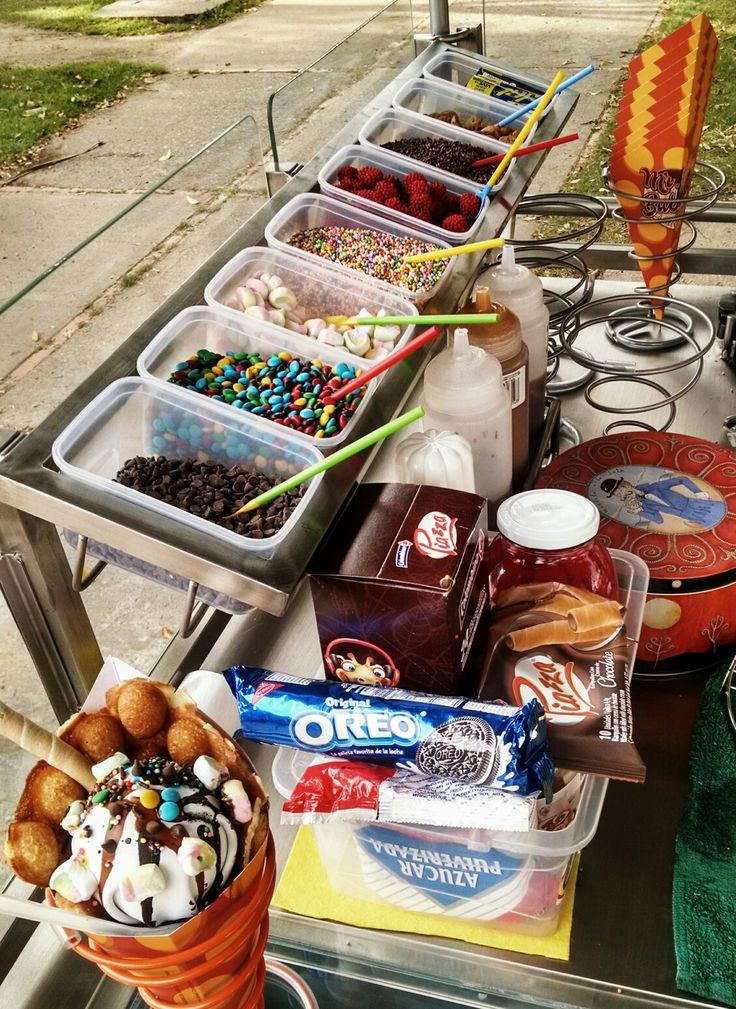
79 581
192 616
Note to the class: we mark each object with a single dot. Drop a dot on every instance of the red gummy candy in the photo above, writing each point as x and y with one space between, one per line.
347 173
368 176
455 222
469 205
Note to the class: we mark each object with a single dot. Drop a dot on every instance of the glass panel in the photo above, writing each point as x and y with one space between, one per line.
318 101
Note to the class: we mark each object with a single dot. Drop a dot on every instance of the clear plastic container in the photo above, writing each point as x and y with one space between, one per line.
513 881
322 289
391 164
394 124
423 97
457 68
133 416
314 210
203 326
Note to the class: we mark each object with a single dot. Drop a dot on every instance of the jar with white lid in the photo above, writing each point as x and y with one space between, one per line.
550 535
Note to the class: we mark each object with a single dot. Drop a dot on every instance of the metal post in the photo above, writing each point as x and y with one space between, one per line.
439 17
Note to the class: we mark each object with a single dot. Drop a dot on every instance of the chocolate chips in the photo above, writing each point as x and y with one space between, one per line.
212 491
449 155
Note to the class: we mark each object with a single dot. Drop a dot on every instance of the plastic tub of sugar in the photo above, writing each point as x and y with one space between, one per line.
424 97
202 326
321 289
310 212
491 80
398 168
394 125
143 417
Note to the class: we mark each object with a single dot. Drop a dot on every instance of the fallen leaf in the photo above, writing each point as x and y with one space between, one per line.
35 110
166 633
165 157
192 201
34 336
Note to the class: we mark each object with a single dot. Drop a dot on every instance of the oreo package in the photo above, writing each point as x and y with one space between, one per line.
567 648
473 741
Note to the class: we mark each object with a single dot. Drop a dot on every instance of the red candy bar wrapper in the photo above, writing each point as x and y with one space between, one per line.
335 789
567 649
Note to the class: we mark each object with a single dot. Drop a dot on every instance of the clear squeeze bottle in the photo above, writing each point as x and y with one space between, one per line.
520 290
503 341
464 392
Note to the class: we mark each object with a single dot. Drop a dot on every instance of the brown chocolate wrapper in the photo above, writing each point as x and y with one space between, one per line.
581 678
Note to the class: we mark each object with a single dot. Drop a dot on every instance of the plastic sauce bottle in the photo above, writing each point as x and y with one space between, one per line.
550 535
439 458
464 393
521 291
503 341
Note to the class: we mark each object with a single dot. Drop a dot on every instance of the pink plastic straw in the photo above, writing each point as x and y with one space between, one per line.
388 362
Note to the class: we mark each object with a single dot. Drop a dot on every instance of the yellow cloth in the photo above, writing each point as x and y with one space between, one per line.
318 899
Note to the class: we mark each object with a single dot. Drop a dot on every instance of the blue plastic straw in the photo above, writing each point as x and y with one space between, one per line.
532 105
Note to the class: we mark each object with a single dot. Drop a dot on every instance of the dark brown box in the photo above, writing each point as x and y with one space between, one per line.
400 589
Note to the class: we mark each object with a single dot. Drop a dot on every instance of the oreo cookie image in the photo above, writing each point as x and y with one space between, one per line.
464 748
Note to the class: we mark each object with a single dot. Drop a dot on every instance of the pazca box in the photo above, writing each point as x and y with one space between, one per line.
400 589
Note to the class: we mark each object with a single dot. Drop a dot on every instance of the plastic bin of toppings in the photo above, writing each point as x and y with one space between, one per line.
323 298
276 376
473 114
425 141
485 78
381 183
513 881
186 458
319 228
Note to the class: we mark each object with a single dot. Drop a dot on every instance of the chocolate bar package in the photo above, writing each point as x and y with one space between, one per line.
399 589
566 648
453 737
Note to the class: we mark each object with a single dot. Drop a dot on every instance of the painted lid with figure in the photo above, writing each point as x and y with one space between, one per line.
671 500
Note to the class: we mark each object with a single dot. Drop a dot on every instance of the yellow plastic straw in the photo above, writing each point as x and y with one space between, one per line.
524 132
459 250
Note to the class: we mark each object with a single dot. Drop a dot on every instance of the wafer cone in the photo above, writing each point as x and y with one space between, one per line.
44 744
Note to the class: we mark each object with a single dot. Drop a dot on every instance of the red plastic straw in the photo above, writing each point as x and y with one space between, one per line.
393 358
531 149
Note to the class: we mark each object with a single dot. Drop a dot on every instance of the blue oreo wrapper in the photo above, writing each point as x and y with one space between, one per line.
473 741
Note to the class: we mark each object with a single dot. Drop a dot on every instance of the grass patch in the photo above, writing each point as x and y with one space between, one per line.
36 103
718 144
66 16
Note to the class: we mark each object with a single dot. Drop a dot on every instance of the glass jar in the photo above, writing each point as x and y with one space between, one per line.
549 535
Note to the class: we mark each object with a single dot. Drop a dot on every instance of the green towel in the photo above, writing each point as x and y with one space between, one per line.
704 888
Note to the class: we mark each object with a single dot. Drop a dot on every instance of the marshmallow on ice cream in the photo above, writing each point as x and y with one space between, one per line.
156 843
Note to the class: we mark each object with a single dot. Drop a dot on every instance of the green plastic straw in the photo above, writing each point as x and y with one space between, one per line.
333 460
471 319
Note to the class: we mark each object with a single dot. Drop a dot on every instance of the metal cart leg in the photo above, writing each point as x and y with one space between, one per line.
36 582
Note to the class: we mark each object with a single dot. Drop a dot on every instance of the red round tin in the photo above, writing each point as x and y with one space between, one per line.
671 500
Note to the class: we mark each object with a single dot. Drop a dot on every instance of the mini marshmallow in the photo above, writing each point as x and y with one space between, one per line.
331 336
273 282
74 880
73 816
357 342
386 334
263 277
277 317
195 855
108 765
249 299
379 351
144 882
256 285
237 798
296 327
256 312
210 772
315 326
282 297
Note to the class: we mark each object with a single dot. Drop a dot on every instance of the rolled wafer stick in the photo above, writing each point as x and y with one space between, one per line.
44 744
606 616
554 632
532 593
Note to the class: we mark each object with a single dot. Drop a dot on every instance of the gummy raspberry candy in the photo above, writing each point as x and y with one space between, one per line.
367 194
469 205
386 190
347 173
368 176
394 203
415 179
452 203
421 205
438 190
455 222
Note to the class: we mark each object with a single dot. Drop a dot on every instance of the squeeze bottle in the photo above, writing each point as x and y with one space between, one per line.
520 290
464 392
503 341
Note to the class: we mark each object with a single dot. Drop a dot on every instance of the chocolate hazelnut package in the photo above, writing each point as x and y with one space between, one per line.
567 648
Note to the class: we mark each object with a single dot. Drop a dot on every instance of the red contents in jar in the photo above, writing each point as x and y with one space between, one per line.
549 536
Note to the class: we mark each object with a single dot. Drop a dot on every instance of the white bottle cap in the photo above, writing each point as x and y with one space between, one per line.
548 519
